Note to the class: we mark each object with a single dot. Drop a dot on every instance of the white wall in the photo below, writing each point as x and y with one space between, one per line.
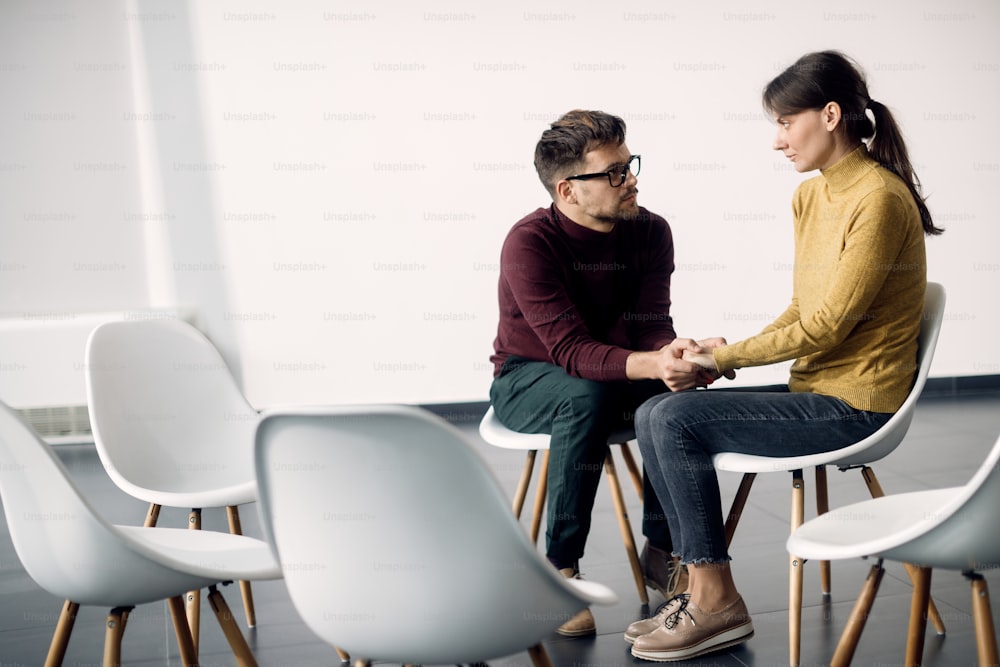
327 185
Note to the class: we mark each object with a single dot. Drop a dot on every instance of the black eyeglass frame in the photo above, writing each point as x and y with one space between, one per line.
611 174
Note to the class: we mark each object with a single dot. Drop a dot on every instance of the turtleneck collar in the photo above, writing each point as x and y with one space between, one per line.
849 169
578 231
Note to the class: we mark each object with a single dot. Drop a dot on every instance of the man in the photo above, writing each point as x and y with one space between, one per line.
585 333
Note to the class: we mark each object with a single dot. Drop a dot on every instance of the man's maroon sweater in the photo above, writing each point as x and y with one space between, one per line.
584 299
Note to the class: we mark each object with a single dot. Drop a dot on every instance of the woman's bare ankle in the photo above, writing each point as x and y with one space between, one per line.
712 587
712 604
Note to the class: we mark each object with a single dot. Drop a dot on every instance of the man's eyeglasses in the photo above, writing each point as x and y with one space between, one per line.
616 175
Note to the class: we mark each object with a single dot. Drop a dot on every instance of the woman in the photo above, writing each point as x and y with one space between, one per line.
852 326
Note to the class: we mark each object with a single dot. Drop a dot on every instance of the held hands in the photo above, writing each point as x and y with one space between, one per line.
683 364
705 358
688 364
702 355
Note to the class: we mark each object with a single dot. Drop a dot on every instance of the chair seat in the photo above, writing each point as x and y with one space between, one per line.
498 435
872 527
163 562
863 452
199 491
122 586
206 553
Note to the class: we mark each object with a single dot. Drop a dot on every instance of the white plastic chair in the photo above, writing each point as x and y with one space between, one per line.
859 455
397 543
495 433
71 552
954 529
170 424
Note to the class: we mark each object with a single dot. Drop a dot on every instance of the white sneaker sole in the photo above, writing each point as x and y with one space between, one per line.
725 639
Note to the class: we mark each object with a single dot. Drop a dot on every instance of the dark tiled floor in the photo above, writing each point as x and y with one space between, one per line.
949 438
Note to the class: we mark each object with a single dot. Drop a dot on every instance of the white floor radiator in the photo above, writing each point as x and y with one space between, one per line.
42 368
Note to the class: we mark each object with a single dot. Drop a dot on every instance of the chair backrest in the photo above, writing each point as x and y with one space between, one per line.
963 533
396 541
163 405
63 544
886 439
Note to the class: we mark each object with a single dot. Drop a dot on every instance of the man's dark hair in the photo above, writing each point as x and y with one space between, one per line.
561 149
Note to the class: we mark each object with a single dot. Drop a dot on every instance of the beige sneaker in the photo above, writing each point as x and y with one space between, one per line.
662 571
583 623
688 632
647 625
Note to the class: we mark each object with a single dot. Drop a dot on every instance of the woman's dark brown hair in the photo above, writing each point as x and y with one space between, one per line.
815 80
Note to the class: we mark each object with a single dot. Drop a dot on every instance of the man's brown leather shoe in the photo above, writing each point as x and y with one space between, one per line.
662 571
583 623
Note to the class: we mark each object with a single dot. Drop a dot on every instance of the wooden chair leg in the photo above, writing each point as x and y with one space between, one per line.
113 637
244 658
848 643
739 502
875 489
918 615
152 515
932 611
522 485
822 507
982 616
543 485
60 639
625 526
193 598
185 644
633 469
871 481
795 565
539 656
344 656
233 515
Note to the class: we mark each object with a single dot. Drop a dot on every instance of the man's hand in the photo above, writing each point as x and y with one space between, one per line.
669 364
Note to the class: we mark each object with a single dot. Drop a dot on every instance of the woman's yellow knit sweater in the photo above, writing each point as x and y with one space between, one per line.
858 290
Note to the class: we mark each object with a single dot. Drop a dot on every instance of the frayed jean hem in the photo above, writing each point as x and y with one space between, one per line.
706 561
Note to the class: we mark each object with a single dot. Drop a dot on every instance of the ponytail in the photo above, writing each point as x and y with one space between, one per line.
889 150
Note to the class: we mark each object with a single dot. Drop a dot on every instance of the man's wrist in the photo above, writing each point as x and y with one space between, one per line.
637 366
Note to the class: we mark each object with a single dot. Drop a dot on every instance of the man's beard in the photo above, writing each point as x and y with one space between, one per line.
629 211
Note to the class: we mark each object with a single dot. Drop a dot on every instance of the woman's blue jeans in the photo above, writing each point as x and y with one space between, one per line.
679 433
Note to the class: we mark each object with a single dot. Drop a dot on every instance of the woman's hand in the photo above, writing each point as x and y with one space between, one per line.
706 359
703 359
